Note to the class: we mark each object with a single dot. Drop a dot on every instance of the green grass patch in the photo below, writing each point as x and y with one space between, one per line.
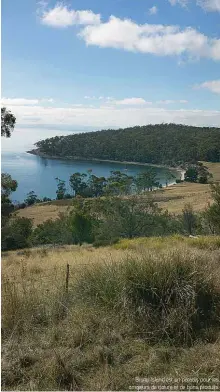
200 242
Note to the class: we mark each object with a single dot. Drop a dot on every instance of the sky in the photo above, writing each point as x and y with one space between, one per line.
80 65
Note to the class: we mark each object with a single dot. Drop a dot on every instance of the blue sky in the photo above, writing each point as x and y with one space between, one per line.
92 64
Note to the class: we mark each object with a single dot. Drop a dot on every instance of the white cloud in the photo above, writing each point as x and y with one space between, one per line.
212 85
207 5
19 101
166 102
24 101
108 116
159 40
132 102
153 10
62 16
93 97
183 3
171 101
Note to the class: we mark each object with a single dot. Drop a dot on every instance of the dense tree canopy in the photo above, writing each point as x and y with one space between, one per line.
8 185
7 122
170 144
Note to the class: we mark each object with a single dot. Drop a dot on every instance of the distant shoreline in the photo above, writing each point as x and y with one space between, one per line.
37 152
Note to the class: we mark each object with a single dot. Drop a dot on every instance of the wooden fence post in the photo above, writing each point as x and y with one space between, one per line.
67 277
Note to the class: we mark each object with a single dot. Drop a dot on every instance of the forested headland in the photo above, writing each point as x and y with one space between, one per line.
164 144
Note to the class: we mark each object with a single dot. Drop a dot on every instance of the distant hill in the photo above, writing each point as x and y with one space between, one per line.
168 144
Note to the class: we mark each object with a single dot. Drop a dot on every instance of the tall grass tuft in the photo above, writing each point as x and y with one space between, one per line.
169 296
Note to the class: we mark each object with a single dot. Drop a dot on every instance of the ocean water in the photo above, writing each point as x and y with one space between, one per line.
38 174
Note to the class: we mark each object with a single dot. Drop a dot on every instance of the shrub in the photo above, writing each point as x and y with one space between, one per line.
189 219
53 232
105 242
16 234
81 226
170 296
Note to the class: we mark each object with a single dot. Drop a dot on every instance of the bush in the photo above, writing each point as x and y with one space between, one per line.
203 179
46 199
170 296
68 196
81 226
53 232
14 241
189 219
16 234
105 242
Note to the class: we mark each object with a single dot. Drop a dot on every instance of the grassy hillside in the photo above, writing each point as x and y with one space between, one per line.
172 198
170 144
214 168
144 308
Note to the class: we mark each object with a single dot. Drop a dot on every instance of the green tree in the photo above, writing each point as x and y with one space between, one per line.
189 219
77 183
81 227
203 174
8 121
8 185
22 226
31 198
198 173
146 180
61 189
125 217
119 183
96 185
191 174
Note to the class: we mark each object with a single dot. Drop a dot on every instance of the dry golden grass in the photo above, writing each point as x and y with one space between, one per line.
172 198
50 341
213 168
47 260
40 213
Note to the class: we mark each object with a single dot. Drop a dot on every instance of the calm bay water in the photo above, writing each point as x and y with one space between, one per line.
38 174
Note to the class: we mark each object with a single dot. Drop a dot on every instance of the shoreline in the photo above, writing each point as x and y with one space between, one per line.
68 158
